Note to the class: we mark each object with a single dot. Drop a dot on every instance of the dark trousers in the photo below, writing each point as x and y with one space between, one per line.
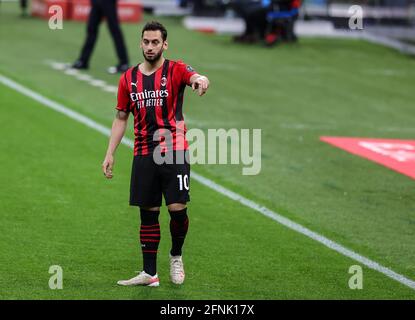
23 4
107 9
256 22
254 15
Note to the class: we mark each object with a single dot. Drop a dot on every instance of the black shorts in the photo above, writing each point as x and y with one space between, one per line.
149 181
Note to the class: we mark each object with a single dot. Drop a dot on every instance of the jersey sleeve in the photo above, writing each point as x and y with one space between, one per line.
186 72
123 96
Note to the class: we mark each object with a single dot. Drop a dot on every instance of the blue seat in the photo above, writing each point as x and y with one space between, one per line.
276 15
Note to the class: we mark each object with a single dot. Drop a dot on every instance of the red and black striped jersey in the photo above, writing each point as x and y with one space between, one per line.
156 101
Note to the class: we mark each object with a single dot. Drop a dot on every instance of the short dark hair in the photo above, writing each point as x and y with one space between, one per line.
154 26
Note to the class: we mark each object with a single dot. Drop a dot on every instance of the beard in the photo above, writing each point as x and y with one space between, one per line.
153 59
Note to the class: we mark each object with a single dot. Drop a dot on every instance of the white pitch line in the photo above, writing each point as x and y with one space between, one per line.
64 67
111 89
218 188
84 77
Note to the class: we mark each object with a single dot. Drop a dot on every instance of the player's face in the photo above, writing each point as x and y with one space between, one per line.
153 45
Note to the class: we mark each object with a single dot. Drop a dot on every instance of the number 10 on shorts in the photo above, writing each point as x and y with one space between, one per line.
183 181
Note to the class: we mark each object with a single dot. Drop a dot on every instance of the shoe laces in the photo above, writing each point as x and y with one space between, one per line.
177 266
144 274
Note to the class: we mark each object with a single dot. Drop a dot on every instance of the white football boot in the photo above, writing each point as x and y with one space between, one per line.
176 269
143 279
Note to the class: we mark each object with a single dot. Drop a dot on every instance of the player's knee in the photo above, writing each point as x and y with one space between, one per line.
151 208
176 206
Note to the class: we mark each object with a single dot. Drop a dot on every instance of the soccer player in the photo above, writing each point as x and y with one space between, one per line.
153 92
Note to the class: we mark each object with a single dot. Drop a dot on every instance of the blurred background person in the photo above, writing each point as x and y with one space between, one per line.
268 21
254 13
293 8
99 10
281 20
23 7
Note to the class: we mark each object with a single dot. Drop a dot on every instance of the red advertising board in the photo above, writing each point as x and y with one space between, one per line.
398 155
78 10
46 8
128 11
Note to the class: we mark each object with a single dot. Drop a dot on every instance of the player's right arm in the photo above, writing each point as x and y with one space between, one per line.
117 133
118 126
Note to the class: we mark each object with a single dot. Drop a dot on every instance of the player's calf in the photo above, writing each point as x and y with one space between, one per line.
179 224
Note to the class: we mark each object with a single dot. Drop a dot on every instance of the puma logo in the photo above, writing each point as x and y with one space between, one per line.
134 84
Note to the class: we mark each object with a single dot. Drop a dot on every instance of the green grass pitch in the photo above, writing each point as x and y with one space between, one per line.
56 208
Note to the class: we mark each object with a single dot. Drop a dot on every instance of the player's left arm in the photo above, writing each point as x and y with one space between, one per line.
199 83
